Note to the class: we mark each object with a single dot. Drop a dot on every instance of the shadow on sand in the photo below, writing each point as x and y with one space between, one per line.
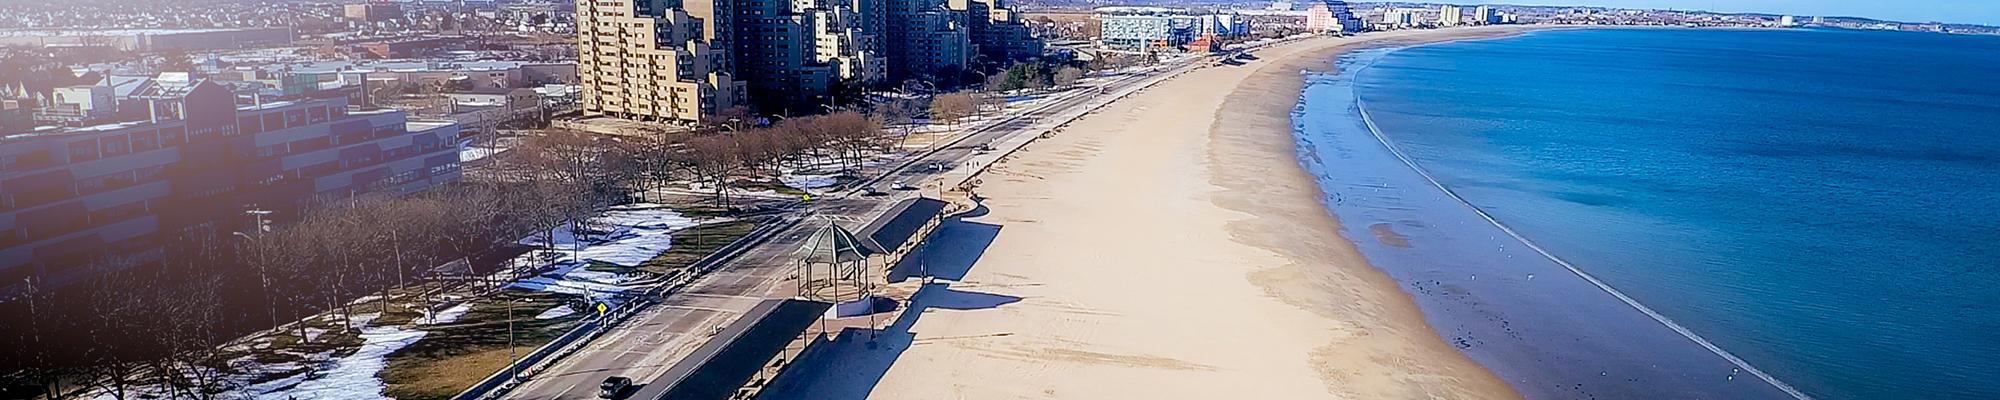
852 364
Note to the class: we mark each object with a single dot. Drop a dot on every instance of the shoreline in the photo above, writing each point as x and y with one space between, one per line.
1663 320
1566 335
1265 128
1169 245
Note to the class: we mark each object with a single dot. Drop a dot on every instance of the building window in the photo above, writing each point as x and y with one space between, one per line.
83 150
249 125
116 146
174 136
147 140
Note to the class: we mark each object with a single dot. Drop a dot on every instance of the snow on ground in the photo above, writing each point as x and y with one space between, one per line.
735 191
449 315
633 234
557 312
810 181
1025 99
352 377
468 151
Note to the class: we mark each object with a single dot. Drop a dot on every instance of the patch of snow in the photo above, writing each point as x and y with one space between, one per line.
467 151
353 377
312 334
633 234
810 181
449 315
471 153
557 312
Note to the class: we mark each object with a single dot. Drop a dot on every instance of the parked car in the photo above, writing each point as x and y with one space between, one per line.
614 387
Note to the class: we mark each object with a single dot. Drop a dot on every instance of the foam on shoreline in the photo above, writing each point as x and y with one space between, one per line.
1550 338
1628 300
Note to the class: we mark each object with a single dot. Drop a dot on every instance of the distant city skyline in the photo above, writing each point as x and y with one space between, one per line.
1985 12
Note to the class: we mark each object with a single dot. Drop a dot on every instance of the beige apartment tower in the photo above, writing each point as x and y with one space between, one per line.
655 60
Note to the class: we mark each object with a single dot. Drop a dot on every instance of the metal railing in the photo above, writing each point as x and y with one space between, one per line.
570 342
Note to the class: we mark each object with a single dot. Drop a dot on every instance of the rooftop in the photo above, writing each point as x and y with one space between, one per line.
106 32
322 67
420 126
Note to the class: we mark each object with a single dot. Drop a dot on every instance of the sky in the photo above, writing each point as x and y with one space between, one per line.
1960 11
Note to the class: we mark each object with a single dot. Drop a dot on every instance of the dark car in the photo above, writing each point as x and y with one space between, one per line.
614 387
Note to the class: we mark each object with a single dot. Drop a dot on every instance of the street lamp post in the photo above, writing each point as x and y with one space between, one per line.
513 361
263 262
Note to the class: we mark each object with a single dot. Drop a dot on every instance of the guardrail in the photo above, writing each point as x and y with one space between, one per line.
570 342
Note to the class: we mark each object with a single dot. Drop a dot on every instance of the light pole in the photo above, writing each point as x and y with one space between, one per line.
263 261
513 362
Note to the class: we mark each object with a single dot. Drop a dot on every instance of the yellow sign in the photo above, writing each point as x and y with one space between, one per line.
806 197
601 308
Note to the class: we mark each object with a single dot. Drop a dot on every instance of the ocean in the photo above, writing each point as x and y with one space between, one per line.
1683 213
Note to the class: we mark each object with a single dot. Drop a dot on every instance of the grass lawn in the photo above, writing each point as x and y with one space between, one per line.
453 357
781 188
692 244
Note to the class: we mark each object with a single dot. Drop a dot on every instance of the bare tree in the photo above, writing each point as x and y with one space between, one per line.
121 311
40 360
712 159
185 316
993 101
851 135
953 107
899 113
1068 76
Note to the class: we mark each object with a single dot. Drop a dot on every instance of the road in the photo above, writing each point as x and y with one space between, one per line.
645 346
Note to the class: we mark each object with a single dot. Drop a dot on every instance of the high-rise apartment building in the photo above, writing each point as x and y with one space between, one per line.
1450 15
1223 25
657 60
925 39
678 60
1146 32
998 35
932 38
1331 16
189 164
1399 17
372 12
777 55
1484 16
848 39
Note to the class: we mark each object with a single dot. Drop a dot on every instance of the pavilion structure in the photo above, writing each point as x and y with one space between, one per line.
832 266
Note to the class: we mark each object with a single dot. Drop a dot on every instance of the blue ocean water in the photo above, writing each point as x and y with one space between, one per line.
1821 205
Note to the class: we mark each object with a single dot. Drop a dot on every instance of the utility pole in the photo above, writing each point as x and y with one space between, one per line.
513 362
259 226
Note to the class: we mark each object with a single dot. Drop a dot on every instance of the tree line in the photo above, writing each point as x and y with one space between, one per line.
157 318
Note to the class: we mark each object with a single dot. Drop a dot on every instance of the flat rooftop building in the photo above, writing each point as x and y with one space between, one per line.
151 39
191 165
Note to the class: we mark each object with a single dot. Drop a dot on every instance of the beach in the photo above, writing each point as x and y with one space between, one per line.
1169 245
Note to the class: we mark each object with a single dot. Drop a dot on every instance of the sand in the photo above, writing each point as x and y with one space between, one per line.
1171 246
